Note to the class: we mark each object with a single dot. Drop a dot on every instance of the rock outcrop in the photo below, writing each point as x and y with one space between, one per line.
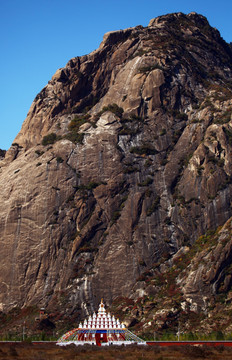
123 160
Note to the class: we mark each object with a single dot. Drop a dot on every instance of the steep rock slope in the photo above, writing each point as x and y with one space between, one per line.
123 159
189 293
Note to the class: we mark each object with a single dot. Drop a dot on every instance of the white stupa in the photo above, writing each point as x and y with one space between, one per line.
100 329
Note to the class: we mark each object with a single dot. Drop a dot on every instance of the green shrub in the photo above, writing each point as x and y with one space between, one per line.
142 263
164 161
146 182
216 161
39 153
130 169
126 130
147 69
73 127
228 134
182 116
75 124
90 186
223 118
59 159
195 106
221 162
86 248
168 221
70 198
49 139
115 216
114 108
75 137
2 153
141 52
148 163
148 192
199 170
163 132
195 121
208 103
178 115
130 243
145 149
155 205
134 117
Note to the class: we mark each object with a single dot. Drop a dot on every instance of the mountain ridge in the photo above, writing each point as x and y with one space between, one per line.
123 161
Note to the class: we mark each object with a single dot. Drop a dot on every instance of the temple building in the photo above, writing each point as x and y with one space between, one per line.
100 329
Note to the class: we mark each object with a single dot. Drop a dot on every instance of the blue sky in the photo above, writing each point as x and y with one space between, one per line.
39 36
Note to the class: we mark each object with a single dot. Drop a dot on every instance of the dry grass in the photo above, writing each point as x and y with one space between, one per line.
50 351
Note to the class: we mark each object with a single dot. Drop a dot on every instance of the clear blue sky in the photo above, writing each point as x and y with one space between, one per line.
39 36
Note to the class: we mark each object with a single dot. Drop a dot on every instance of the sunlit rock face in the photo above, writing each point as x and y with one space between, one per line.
138 165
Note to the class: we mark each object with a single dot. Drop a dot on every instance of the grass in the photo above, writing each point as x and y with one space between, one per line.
48 351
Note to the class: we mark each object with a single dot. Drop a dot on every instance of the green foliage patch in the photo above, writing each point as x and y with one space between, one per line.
177 114
114 108
154 206
223 118
228 133
75 137
146 182
145 149
149 68
2 153
50 139
74 126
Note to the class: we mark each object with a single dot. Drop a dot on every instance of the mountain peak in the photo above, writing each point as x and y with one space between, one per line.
121 166
179 17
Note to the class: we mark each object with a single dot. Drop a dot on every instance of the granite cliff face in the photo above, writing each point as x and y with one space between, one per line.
123 161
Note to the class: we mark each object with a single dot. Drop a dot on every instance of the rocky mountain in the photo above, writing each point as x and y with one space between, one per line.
121 170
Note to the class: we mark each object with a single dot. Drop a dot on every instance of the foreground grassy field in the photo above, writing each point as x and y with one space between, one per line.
50 351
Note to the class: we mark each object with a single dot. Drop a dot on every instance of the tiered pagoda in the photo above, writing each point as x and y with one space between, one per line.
100 329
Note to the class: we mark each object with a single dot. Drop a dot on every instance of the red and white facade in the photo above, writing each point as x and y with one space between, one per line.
100 329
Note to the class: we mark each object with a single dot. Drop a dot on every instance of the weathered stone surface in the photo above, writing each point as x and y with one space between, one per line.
85 219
